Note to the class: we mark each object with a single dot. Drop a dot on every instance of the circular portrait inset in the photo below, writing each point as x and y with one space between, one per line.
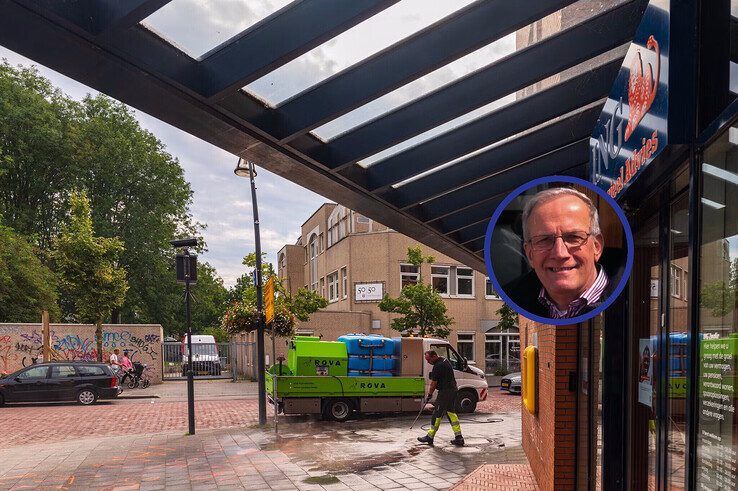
559 250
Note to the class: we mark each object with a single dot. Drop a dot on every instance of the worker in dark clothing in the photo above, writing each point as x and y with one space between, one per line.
442 378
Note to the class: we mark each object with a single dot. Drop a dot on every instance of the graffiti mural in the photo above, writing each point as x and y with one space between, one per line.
21 345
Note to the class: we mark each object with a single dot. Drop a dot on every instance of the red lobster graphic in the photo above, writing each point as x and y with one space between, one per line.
642 87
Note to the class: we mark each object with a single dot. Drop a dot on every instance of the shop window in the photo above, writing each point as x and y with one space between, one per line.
465 345
409 275
440 279
465 282
333 287
489 290
717 365
344 281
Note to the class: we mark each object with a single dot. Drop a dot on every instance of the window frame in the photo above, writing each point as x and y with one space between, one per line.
403 274
344 282
471 342
465 277
447 293
496 296
331 280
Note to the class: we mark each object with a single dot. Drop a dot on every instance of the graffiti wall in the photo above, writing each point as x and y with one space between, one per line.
21 343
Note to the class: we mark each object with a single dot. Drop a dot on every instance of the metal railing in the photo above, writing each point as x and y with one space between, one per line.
209 360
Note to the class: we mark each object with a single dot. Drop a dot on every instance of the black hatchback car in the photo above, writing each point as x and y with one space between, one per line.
60 381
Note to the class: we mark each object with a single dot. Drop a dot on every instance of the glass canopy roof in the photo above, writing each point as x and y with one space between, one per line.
362 41
199 26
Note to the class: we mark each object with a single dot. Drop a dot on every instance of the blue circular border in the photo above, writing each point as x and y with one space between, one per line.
628 238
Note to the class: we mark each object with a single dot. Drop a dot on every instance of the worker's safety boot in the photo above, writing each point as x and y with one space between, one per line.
458 441
426 439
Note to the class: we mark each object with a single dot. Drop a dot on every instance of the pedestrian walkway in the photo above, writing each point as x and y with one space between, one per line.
511 477
304 454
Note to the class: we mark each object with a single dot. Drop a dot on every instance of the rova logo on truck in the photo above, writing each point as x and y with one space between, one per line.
372 385
330 363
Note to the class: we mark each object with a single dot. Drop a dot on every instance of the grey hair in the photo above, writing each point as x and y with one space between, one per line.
549 194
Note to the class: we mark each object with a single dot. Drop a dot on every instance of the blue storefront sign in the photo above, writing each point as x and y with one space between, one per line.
632 129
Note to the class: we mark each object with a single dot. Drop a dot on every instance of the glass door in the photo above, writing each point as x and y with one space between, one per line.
644 343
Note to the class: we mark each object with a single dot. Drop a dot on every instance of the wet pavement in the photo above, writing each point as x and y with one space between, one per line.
303 453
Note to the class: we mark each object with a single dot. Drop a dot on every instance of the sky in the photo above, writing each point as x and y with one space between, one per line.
221 200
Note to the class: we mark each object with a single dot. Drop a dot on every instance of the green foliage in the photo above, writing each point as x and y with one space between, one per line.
218 332
27 286
51 145
87 265
421 308
719 298
242 314
508 318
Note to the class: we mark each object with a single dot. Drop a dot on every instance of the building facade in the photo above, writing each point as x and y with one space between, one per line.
354 261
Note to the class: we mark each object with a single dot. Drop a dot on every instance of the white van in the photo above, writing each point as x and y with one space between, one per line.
205 356
470 380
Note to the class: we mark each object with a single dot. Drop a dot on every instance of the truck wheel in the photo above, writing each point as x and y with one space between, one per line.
466 401
338 409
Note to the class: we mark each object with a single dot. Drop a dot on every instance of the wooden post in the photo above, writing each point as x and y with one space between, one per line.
46 335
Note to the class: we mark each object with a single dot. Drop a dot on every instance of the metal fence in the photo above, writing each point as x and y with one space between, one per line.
209 360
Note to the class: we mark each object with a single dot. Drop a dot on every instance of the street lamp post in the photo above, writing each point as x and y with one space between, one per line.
248 170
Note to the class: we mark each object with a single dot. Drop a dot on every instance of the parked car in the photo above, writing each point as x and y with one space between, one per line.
512 383
85 383
205 356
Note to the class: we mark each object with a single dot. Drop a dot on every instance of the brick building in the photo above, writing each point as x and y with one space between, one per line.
353 261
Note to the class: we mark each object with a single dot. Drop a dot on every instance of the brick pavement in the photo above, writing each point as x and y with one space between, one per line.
132 417
365 456
511 477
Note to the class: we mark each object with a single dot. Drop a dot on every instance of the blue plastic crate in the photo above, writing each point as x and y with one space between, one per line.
368 344
371 363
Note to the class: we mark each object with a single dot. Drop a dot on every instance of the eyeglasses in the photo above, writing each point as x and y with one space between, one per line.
543 243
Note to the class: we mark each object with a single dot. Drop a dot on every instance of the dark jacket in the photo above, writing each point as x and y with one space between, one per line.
524 290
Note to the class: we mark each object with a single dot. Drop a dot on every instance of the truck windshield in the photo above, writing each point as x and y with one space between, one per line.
203 349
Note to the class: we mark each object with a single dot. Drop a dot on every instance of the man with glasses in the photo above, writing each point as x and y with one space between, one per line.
563 244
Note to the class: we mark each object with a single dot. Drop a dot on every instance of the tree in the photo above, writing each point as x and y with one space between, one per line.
88 269
36 153
51 145
508 318
718 297
422 309
243 316
27 286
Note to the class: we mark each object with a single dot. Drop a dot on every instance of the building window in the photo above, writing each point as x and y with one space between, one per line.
322 243
313 262
409 275
376 324
333 286
439 279
322 287
362 219
489 290
304 332
465 345
676 281
465 282
344 281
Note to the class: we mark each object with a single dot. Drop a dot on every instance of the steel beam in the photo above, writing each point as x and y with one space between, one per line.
529 65
281 37
439 44
519 116
97 16
568 130
561 160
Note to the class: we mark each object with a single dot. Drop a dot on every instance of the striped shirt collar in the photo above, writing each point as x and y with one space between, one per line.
590 296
